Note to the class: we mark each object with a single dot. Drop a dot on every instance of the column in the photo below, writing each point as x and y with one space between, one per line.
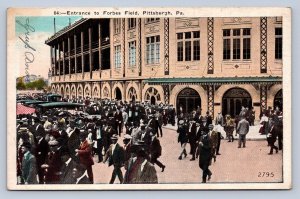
69 47
210 100
51 61
58 62
82 58
99 48
55 60
75 52
64 64
90 52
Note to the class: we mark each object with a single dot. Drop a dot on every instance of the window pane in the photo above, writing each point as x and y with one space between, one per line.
278 48
278 31
226 32
180 35
196 50
236 32
196 34
246 31
246 48
180 51
187 35
187 51
236 54
226 49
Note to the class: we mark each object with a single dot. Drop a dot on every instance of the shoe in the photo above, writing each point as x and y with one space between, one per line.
218 154
192 159
163 168
185 155
244 146
180 158
209 177
276 150
215 159
270 153
239 147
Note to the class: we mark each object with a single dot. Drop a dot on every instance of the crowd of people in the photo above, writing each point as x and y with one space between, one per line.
57 147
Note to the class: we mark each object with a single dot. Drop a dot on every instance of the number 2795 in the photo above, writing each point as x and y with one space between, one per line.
266 174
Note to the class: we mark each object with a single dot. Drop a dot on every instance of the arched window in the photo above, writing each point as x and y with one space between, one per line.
152 95
132 94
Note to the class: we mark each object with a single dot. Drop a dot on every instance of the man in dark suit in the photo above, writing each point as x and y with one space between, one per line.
208 119
192 138
115 156
119 121
155 151
29 171
42 149
205 157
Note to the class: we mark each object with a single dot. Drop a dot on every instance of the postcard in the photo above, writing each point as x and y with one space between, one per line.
149 98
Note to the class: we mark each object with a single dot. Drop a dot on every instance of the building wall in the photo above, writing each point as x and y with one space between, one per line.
103 83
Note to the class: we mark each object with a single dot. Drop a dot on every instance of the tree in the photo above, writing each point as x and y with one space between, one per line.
20 85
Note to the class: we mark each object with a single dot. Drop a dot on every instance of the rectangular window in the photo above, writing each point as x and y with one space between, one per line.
132 53
246 48
117 26
152 49
226 49
188 46
180 51
131 23
196 49
278 43
118 56
151 20
240 40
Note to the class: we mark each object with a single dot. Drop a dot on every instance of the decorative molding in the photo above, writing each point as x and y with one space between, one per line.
182 23
263 44
123 46
236 20
166 45
153 28
210 45
139 55
263 97
210 101
166 89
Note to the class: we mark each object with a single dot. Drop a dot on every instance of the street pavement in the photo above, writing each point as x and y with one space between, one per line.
250 164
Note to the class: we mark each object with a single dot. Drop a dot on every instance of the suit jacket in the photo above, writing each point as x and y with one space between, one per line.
85 154
243 127
29 171
140 171
155 148
115 157
192 133
42 149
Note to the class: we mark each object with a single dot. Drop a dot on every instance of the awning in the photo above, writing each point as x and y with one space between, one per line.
24 110
215 80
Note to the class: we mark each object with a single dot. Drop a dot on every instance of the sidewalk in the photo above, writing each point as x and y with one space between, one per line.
252 135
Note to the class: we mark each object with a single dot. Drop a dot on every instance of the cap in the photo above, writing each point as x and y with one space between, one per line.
53 143
114 137
127 137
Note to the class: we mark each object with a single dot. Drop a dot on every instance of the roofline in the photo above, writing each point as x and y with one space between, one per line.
66 29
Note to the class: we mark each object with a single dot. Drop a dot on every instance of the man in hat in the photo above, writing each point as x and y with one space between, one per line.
219 124
29 171
41 151
242 129
84 153
213 138
192 138
205 157
54 164
155 151
115 157
139 169
127 148
182 137
119 121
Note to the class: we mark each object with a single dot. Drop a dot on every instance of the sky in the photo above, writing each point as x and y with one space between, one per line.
41 28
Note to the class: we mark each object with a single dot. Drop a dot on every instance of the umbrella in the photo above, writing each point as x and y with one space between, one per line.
21 109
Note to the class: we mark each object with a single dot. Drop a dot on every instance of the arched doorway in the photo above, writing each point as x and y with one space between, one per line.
153 100
278 100
233 101
132 96
152 95
188 99
118 94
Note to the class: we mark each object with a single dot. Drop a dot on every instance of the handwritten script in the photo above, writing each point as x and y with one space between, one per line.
25 38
